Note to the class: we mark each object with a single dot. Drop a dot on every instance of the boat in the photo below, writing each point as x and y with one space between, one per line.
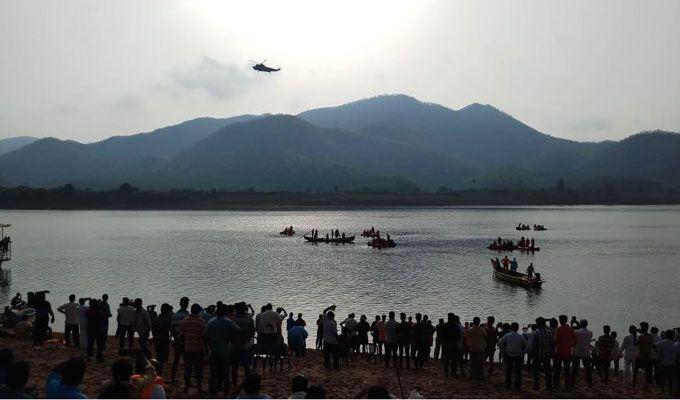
514 247
540 228
528 249
348 239
516 277
495 247
379 243
368 234
524 228
287 233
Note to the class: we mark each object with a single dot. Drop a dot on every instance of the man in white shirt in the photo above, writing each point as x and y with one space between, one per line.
126 315
70 311
270 323
581 353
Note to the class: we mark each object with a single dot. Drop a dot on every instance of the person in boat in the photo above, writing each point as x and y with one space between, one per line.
326 235
337 233
343 235
505 262
532 243
513 265
530 270
388 238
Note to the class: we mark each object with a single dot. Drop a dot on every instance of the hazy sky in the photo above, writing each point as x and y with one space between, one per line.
585 70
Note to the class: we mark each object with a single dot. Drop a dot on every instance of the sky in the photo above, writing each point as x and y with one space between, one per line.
581 70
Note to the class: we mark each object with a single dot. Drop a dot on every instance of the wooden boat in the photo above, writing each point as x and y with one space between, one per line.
502 248
379 243
371 235
523 228
287 233
516 277
514 247
348 239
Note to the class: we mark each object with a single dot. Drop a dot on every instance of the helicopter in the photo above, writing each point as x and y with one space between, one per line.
259 66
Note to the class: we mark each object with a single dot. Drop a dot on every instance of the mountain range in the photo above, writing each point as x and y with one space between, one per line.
386 142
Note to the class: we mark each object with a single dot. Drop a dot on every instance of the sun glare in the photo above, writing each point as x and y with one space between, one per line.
304 26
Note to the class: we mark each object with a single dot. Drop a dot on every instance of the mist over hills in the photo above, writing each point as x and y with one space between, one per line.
391 142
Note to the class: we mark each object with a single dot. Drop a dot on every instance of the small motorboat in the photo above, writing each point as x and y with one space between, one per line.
347 239
496 247
515 277
380 243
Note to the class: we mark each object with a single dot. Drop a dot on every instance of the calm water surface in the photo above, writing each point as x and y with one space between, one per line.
616 265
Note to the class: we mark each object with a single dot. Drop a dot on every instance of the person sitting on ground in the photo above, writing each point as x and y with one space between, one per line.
63 381
146 383
299 387
119 387
15 381
252 385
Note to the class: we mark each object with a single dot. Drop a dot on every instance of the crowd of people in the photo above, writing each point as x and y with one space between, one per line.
230 336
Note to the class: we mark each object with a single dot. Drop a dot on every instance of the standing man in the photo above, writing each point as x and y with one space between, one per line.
43 317
513 346
491 341
220 332
330 338
192 330
178 340
477 337
106 308
242 342
141 324
645 342
126 314
391 339
71 328
565 340
543 347
404 333
581 353
604 346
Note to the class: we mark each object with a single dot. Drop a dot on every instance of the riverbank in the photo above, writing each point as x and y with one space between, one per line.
345 383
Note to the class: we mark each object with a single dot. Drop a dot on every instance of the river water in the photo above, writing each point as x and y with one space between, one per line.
616 265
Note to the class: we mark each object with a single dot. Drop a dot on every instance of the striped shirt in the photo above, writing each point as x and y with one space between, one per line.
543 344
192 330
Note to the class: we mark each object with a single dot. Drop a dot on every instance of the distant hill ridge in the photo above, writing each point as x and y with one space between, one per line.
386 142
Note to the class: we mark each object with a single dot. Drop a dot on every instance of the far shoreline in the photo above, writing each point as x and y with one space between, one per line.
69 198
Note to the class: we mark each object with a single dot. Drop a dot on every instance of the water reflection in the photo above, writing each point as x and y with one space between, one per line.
590 258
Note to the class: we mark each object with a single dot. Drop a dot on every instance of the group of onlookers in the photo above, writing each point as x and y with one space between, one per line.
230 336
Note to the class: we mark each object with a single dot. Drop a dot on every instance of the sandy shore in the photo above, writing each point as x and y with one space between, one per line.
345 383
